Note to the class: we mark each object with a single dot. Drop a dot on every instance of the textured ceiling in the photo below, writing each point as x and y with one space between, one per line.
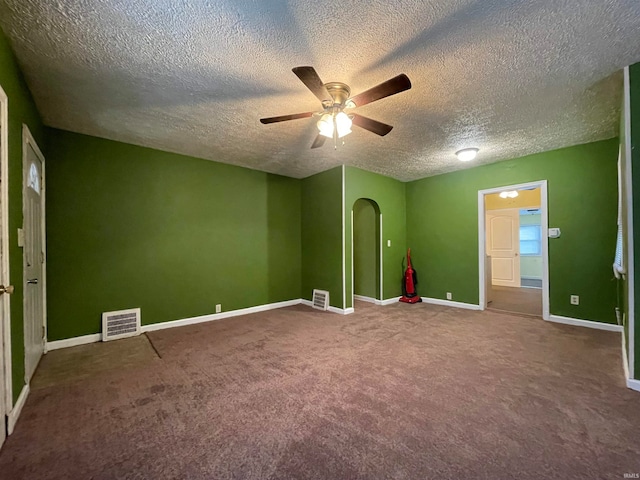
194 77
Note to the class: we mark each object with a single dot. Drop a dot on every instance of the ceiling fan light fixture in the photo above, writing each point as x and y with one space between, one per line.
467 154
325 125
343 124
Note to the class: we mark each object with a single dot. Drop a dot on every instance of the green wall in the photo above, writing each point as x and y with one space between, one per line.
582 201
389 195
22 110
322 235
135 227
634 90
366 249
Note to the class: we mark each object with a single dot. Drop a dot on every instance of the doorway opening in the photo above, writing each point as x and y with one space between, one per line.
366 251
513 249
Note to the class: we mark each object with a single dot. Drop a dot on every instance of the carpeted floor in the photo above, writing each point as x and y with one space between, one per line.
517 300
401 392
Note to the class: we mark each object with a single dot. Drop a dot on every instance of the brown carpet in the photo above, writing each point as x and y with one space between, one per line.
516 300
402 391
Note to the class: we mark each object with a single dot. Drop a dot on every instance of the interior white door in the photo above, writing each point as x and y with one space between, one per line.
503 245
34 259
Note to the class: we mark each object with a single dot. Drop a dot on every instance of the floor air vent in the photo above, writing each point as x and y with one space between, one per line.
320 299
120 324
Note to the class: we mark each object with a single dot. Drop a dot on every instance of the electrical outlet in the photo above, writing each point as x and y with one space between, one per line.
449 296
575 300
218 308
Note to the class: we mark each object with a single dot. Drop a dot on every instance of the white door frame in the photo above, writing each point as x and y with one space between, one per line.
28 140
544 225
5 359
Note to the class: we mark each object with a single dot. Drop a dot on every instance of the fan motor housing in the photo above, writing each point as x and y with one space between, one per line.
340 92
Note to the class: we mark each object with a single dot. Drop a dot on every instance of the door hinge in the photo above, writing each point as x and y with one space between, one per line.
41 257
44 332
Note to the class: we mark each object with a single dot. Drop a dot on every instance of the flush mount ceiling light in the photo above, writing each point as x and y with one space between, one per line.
467 154
509 194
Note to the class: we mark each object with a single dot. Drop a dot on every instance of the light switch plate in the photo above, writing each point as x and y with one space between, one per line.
388 243
20 237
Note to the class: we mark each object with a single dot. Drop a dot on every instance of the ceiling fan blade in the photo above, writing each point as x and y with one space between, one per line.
374 126
311 79
284 118
385 89
319 141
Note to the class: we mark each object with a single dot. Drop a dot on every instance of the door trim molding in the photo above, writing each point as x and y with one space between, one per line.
629 233
5 300
28 140
17 410
544 224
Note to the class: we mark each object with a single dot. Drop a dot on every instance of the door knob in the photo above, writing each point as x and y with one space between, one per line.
8 289
32 281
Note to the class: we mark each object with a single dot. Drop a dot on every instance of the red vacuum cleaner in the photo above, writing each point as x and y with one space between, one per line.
410 282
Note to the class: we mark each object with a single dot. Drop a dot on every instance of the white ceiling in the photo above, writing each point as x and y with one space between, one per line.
194 77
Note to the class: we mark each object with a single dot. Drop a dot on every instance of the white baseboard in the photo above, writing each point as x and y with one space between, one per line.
14 414
633 384
451 303
337 310
367 299
341 311
73 342
218 316
96 337
586 323
625 360
390 301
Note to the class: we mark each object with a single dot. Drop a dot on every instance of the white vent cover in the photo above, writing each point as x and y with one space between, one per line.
120 324
320 299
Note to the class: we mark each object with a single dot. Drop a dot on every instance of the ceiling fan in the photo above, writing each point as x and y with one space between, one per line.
333 121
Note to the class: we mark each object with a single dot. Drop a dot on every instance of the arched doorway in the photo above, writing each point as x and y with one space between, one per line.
366 254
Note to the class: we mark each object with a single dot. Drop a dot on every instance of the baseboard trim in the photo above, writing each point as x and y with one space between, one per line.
625 360
451 303
367 299
73 342
340 311
390 301
633 384
96 337
586 323
14 414
218 316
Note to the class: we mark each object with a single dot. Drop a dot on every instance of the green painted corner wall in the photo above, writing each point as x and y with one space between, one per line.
390 196
634 91
135 227
366 249
582 201
22 110
322 235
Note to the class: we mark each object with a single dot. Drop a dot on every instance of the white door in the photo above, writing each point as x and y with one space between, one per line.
503 245
34 320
